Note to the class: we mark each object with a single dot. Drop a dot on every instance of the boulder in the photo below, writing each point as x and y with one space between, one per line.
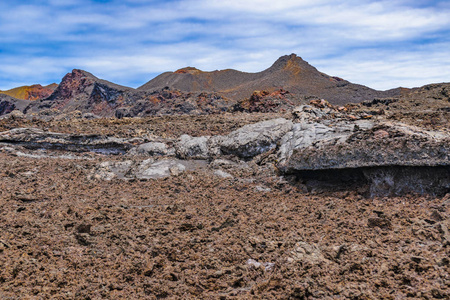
151 148
214 145
192 147
109 170
160 169
254 139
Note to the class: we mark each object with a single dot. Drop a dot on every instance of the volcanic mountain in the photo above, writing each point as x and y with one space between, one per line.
31 92
290 73
81 91
289 82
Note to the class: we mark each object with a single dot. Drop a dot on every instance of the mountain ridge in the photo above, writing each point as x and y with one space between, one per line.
289 72
290 81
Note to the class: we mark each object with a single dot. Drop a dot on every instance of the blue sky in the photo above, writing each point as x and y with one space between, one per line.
381 44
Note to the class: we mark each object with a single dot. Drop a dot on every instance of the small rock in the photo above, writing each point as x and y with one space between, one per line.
84 228
263 189
380 134
222 174
161 169
436 216
254 264
307 253
379 222
16 114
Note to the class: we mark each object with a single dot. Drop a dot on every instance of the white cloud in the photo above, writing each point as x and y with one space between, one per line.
386 69
369 42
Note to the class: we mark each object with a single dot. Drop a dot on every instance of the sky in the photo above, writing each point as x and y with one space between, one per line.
381 44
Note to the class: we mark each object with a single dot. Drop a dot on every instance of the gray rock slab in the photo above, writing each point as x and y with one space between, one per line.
254 139
342 144
33 138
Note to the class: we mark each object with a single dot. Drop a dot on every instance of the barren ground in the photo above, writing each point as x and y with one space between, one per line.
64 236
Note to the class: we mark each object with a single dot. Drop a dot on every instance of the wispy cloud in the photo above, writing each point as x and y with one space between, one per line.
381 44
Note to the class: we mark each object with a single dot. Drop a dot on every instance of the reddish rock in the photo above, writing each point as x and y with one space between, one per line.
33 92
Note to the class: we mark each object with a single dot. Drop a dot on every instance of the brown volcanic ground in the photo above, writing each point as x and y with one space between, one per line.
289 72
191 236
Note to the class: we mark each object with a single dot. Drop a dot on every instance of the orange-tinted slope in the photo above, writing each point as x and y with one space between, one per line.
31 92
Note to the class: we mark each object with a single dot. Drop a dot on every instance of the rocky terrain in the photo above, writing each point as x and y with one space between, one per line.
110 192
319 201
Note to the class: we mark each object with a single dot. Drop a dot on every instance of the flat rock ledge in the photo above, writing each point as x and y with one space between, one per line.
35 139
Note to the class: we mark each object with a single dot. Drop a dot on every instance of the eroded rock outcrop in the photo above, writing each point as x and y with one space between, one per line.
393 158
315 146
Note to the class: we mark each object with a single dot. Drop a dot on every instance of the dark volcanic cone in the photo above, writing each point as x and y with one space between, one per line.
80 90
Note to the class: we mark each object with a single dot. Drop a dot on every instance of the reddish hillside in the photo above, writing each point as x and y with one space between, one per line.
31 92
82 91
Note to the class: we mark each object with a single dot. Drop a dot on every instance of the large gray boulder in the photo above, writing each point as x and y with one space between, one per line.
307 135
192 147
254 139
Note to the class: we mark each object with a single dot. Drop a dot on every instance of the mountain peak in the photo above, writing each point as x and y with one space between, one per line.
287 61
80 73
188 70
